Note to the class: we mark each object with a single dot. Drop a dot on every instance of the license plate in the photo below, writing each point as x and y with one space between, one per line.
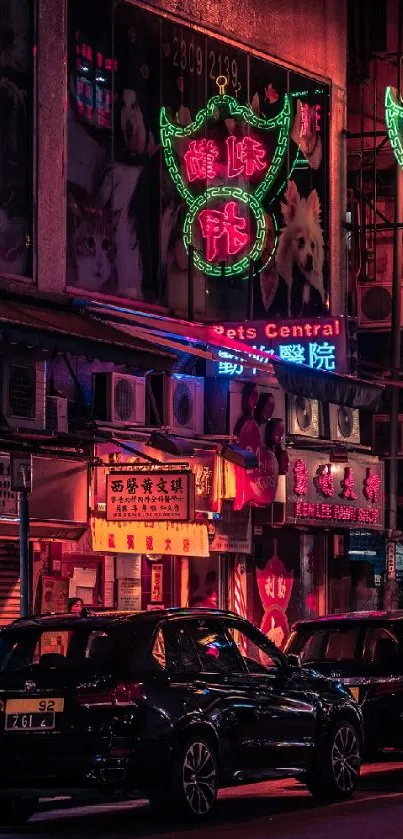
30 722
34 706
356 693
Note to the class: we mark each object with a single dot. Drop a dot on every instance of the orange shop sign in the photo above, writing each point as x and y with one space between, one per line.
167 538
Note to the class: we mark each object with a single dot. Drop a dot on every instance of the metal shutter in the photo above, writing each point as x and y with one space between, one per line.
9 582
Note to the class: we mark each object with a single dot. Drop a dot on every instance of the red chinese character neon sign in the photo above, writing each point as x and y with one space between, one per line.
371 486
300 472
245 157
348 484
215 224
200 160
324 480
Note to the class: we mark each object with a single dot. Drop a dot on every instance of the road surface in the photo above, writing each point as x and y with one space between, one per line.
275 810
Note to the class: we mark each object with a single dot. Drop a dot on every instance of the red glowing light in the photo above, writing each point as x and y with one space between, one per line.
371 486
324 480
317 118
200 160
245 157
300 472
348 484
215 224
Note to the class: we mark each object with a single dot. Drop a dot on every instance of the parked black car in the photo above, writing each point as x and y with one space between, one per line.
365 651
173 704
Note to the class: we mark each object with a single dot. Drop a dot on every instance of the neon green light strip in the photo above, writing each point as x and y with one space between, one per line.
169 132
394 123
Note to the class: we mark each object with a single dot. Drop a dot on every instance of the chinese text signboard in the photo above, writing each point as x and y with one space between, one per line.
157 495
8 498
320 343
346 494
139 537
212 147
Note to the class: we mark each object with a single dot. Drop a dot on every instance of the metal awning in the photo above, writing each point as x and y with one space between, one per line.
67 330
203 340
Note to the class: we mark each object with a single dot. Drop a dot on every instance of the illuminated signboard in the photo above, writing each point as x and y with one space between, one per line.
223 181
150 495
319 343
394 122
347 494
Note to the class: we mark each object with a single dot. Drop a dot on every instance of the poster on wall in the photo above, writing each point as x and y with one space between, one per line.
55 594
16 77
182 146
8 498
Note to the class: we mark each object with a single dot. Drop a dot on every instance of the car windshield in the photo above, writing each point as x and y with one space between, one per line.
326 645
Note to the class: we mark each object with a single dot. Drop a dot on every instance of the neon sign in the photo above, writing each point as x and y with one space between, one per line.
226 222
318 344
394 123
94 83
318 490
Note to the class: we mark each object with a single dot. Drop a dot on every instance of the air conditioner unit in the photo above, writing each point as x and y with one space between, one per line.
119 399
344 424
381 434
24 393
224 402
375 305
57 414
184 404
303 416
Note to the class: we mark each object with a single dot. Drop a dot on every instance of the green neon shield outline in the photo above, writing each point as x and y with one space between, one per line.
394 123
169 132
240 267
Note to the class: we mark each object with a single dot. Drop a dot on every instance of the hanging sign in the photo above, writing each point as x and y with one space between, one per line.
8 498
150 495
166 538
224 177
346 494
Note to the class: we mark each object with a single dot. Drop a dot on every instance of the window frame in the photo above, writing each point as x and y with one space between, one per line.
259 640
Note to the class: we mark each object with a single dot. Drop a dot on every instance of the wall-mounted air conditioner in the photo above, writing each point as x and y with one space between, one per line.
119 399
344 424
184 405
375 305
303 416
23 393
57 414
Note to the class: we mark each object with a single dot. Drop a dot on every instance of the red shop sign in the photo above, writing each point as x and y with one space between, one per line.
256 487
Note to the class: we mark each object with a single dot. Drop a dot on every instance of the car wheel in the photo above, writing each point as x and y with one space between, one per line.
16 811
190 793
337 768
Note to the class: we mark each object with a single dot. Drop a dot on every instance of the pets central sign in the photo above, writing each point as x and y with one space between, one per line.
319 343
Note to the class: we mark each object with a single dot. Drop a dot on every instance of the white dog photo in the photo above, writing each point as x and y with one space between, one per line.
295 286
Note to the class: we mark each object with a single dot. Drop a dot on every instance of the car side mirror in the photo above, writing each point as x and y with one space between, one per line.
294 660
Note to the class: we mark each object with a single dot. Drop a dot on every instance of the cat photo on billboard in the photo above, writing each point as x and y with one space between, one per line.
295 286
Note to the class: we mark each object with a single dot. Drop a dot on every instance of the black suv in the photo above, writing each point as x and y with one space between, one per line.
173 704
365 651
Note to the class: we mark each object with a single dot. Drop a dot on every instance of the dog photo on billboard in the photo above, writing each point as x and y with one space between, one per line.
295 285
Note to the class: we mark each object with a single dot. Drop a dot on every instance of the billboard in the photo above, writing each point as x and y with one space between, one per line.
192 162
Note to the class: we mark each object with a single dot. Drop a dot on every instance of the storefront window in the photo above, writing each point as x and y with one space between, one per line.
15 136
135 204
357 572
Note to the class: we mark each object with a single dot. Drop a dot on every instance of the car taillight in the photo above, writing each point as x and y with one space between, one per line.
123 694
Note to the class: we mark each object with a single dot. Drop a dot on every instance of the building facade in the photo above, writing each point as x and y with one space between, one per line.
180 167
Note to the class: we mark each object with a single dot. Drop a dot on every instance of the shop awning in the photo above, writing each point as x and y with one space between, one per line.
203 340
71 331
49 530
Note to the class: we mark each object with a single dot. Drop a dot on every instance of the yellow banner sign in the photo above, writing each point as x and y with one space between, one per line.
167 538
